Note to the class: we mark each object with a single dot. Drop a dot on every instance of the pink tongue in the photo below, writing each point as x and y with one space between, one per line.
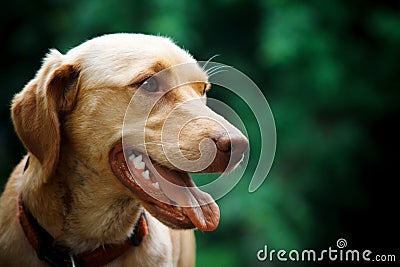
206 216
199 206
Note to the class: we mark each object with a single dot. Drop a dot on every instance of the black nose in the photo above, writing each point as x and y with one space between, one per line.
235 143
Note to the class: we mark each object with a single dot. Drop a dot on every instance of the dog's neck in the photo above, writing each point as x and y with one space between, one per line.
74 209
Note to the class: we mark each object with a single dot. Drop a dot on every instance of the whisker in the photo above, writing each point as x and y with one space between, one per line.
208 61
213 68
216 72
216 69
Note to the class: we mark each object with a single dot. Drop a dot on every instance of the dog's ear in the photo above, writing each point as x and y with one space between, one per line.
37 109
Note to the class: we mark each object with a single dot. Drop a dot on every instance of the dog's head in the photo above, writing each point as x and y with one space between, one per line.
77 104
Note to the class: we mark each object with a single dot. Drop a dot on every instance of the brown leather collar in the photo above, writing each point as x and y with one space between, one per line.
59 256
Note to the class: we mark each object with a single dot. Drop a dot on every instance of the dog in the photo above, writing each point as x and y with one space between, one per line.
98 188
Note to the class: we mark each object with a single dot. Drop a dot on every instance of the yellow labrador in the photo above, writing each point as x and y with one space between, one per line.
82 196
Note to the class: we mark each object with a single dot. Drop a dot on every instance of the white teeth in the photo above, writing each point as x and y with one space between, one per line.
137 159
132 157
139 164
146 174
156 185
179 207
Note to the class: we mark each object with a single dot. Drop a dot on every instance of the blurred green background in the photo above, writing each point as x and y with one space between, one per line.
331 73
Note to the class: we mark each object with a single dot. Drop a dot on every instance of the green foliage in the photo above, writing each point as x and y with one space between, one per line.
329 69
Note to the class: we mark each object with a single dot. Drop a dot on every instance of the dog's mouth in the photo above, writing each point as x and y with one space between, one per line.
170 196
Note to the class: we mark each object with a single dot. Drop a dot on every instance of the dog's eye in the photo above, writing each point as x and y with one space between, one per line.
150 85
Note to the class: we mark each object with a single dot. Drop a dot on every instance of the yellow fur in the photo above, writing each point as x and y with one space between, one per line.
69 117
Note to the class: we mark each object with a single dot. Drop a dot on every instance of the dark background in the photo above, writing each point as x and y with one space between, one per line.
331 73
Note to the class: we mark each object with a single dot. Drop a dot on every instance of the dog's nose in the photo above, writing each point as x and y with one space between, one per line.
235 143
231 147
